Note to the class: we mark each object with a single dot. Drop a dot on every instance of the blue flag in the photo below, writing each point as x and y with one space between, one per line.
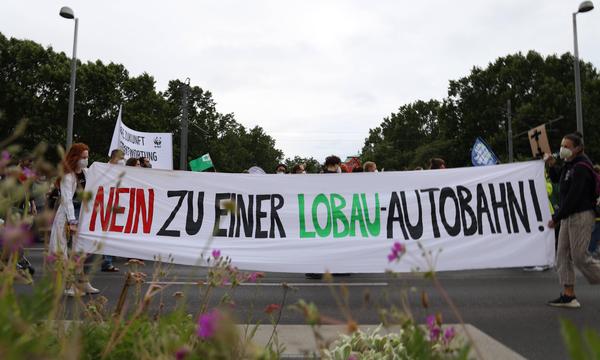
482 155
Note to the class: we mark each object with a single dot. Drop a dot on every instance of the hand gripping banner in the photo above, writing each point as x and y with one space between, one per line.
468 218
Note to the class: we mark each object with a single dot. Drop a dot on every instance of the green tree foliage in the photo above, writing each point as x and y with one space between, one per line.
311 165
34 84
540 89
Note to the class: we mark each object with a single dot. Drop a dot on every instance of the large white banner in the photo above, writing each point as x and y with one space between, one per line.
468 218
157 147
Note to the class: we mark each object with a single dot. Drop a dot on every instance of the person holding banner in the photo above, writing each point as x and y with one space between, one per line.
67 214
145 162
281 169
576 216
436 163
117 157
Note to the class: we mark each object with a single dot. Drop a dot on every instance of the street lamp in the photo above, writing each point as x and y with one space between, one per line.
583 7
68 13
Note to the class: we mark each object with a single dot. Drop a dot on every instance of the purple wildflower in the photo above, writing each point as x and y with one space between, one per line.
207 324
434 333
434 328
216 253
397 250
352 357
255 276
5 155
449 334
28 173
182 353
398 247
431 321
50 258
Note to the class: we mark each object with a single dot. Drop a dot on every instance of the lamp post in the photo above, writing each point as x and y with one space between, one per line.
185 89
583 7
68 13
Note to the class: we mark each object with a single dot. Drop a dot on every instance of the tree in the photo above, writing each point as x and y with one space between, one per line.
232 147
540 89
34 84
311 165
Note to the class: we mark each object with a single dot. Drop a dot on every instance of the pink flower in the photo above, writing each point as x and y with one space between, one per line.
434 329
5 155
397 250
434 333
207 324
182 353
449 334
225 281
352 357
255 276
398 247
216 253
28 173
431 321
50 258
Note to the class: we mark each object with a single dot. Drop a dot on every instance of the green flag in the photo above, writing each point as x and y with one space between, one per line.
202 163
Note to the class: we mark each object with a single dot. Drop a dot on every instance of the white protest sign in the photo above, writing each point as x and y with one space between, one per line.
480 217
157 147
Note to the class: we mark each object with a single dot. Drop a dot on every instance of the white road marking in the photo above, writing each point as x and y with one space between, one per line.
275 284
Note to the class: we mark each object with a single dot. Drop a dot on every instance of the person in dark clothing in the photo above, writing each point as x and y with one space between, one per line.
437 163
332 165
576 217
299 169
133 162
145 162
281 169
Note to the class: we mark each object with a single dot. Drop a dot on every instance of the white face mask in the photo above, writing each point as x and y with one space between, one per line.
121 162
82 163
565 153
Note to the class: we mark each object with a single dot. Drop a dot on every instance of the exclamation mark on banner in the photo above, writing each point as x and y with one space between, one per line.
536 205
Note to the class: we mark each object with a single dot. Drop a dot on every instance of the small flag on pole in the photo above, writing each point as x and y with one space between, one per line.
202 163
482 155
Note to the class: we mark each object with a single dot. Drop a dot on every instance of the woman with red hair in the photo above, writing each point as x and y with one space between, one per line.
73 180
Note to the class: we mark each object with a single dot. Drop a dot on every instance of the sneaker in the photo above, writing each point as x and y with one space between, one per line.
73 291
314 276
565 301
89 289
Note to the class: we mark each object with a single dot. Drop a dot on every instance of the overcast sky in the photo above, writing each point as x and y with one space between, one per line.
316 75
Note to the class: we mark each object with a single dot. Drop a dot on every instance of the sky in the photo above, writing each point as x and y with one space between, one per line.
316 75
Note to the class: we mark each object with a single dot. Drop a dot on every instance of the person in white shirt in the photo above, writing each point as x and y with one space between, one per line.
66 217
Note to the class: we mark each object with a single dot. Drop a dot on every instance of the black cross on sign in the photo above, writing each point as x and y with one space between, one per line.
536 136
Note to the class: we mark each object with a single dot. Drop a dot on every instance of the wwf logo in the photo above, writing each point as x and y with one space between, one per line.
157 142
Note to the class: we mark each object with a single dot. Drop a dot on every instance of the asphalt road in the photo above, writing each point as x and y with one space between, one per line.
507 304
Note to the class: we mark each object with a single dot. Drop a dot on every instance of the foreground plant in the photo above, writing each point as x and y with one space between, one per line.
407 342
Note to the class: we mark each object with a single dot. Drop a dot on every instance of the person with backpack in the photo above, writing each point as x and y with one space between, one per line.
579 185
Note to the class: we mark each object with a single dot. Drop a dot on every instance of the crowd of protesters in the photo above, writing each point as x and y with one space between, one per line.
573 188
